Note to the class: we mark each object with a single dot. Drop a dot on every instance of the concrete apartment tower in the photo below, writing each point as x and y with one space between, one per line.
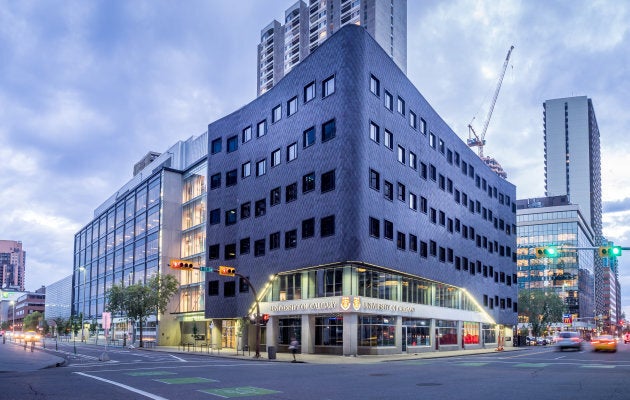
307 26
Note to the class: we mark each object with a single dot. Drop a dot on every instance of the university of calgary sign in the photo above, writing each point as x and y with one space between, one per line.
343 304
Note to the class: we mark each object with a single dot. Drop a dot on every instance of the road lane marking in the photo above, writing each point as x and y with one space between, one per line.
532 365
180 359
131 389
239 391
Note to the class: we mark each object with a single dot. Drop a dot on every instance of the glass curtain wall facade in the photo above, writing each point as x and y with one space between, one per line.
120 246
571 274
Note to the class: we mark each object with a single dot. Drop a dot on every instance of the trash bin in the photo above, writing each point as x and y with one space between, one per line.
271 352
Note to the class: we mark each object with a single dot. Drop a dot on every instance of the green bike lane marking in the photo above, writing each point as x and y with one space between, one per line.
239 391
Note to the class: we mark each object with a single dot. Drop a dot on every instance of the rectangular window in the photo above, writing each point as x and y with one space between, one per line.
375 227
216 146
328 86
274 241
388 190
441 146
261 167
388 230
291 152
309 137
213 252
413 243
230 177
328 130
275 197
276 114
246 136
424 249
291 192
388 140
400 194
261 128
275 158
215 181
413 161
423 126
413 201
375 180
433 215
432 248
213 288
413 120
375 85
308 182
432 142
401 241
401 154
232 144
260 208
229 289
246 169
246 209
401 106
290 239
328 181
292 106
229 253
308 228
374 132
327 226
389 101
424 204
215 216
309 92
432 172
244 246
423 170
259 248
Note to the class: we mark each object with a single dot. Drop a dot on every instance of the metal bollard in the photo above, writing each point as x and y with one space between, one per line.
32 346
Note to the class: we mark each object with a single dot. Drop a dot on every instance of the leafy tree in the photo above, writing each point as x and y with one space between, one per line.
76 322
540 308
93 327
5 326
60 325
31 321
139 301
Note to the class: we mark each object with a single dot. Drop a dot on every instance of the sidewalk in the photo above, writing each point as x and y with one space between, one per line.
329 359
13 358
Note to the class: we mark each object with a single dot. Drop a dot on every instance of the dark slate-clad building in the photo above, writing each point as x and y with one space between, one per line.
366 225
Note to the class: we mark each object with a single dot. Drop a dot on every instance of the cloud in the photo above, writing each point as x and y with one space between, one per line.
616 206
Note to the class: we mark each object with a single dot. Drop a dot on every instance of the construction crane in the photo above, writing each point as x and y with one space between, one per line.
479 141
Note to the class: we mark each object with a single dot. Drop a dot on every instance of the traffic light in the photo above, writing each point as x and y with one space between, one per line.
609 251
546 251
226 271
179 264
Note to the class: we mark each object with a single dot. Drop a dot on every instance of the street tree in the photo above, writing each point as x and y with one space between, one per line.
540 308
139 301
31 321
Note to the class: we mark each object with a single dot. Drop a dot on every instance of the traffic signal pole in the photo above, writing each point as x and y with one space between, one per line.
257 355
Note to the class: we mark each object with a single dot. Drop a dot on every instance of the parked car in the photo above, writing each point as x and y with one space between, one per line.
604 342
568 340
531 341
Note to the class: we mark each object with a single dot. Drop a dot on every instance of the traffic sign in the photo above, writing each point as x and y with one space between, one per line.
206 269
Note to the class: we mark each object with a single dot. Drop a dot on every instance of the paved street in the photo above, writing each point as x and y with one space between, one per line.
532 372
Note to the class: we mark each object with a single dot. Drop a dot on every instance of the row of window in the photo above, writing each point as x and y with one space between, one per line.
425 249
407 196
260 167
452 157
327 184
232 143
326 229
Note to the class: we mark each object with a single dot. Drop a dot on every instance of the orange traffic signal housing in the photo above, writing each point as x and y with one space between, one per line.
180 264
226 271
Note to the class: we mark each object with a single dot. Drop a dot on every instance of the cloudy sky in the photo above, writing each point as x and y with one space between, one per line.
89 87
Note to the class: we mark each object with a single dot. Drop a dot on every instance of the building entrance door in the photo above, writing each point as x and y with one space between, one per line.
404 339
228 334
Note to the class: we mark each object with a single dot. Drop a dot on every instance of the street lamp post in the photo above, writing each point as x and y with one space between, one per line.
13 325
